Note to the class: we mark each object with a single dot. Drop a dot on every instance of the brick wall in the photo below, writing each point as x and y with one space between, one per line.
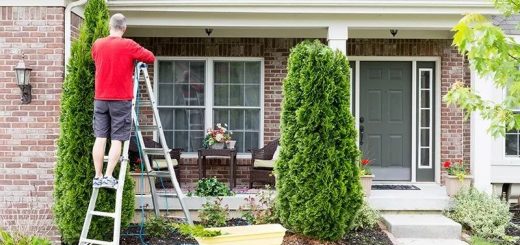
28 133
454 131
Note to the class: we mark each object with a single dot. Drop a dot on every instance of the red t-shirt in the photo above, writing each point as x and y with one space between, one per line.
114 58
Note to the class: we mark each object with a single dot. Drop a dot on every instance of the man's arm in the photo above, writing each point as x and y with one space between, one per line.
142 54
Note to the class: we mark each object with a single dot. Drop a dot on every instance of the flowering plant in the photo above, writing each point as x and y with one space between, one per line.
455 169
364 166
218 135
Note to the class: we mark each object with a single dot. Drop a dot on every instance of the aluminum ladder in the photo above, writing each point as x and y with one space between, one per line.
164 151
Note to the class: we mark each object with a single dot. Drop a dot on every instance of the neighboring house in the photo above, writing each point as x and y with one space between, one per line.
224 61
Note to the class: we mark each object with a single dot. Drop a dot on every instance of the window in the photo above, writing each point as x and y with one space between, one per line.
425 117
194 95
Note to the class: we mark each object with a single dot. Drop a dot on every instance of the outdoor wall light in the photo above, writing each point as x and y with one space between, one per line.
393 32
23 75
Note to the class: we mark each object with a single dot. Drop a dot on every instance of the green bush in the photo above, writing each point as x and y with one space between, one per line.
75 170
157 227
485 216
319 192
366 218
196 231
213 214
263 212
20 239
211 187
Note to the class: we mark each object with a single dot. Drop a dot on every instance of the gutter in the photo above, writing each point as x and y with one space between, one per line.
68 31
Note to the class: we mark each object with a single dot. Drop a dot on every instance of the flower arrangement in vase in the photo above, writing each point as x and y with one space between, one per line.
457 177
366 175
216 138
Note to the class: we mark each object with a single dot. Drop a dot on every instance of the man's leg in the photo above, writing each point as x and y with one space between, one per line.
98 153
113 156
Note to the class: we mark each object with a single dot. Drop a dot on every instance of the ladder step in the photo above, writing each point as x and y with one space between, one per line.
159 173
145 103
92 241
104 214
155 151
105 159
147 128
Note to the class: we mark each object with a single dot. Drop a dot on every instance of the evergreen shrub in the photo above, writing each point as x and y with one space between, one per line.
75 169
319 191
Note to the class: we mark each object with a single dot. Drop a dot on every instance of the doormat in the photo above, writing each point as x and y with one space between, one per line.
396 187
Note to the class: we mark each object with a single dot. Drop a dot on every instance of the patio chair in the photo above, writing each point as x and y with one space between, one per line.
158 162
262 164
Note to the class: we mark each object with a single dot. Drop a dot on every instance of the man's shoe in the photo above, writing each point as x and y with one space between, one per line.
109 182
97 182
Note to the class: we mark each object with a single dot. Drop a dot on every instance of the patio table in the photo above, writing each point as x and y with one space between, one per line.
230 154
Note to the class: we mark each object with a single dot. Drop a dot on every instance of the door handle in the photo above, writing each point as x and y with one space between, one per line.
361 130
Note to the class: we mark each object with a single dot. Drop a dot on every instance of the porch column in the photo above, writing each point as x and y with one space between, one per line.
337 37
482 143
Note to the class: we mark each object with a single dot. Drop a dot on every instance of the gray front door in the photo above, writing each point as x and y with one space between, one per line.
385 118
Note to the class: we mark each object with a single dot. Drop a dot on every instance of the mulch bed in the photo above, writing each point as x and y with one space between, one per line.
513 231
362 237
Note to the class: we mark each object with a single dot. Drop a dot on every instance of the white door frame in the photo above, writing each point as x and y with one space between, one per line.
414 60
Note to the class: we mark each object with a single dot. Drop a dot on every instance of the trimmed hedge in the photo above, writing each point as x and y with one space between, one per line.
75 169
319 192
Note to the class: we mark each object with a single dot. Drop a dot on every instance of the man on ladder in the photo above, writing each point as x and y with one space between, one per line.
114 57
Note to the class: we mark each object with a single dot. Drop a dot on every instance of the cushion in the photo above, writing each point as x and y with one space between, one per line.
263 163
276 153
162 164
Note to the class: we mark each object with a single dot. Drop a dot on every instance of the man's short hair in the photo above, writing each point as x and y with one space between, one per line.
118 22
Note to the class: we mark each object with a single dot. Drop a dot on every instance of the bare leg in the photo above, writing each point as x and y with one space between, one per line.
113 156
98 153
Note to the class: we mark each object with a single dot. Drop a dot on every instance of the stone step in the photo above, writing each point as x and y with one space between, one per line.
417 241
434 226
430 197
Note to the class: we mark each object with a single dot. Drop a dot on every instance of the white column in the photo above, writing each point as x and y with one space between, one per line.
483 150
337 37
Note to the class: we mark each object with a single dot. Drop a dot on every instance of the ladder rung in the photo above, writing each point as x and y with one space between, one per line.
92 241
105 159
145 103
104 214
159 173
147 128
155 151
164 194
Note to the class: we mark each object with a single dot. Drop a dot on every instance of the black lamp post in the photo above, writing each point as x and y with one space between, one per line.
23 74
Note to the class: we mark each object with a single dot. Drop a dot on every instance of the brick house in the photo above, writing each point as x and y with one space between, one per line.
225 62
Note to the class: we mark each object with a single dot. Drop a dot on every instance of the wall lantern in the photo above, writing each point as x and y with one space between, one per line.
23 75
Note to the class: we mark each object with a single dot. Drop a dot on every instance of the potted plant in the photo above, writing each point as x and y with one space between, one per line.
457 177
216 138
366 176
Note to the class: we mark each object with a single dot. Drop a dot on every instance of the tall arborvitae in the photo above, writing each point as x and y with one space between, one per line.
75 169
317 174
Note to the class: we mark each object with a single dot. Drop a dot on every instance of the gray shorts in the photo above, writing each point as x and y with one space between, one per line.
112 119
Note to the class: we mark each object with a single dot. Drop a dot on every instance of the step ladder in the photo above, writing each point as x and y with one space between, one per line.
164 151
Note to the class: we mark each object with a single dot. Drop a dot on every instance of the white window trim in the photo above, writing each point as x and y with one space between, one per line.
430 125
208 97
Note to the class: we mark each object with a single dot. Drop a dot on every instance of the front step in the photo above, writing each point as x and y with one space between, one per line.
434 226
430 198
416 241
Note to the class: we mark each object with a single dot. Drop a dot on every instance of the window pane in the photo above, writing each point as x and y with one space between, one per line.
236 74
425 99
252 97
196 138
425 118
197 74
168 135
197 94
181 119
196 119
165 94
252 120
425 137
182 71
512 144
425 79
236 95
252 74
166 118
220 116
181 94
221 95
236 120
425 157
180 139
239 137
251 141
221 70
165 72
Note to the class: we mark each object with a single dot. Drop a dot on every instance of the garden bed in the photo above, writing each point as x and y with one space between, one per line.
513 231
365 236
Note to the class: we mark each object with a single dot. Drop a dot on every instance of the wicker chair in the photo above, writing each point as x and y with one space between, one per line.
155 161
259 173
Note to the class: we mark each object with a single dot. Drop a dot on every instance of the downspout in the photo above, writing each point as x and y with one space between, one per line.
68 31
